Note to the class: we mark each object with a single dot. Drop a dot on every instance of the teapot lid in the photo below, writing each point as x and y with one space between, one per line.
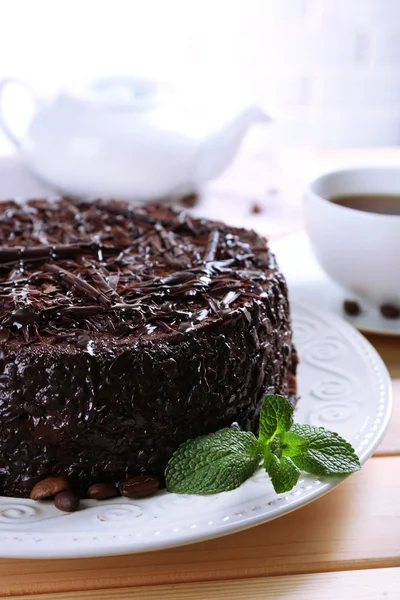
120 92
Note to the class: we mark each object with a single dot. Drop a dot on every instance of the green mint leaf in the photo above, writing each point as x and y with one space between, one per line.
213 463
291 443
275 446
283 472
276 417
319 451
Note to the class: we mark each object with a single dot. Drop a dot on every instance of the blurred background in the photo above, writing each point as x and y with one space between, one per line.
328 70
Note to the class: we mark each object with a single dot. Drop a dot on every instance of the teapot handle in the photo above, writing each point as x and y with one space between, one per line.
3 125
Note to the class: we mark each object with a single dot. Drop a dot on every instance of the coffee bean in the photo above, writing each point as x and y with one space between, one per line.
352 308
47 488
389 311
102 491
66 501
138 487
256 208
190 200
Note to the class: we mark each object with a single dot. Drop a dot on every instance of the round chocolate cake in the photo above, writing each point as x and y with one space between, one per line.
124 332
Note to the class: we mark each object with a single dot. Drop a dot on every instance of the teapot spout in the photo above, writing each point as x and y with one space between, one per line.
217 151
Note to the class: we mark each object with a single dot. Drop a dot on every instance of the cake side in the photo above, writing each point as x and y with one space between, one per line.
104 377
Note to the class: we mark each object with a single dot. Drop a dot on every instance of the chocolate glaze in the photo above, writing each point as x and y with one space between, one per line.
124 332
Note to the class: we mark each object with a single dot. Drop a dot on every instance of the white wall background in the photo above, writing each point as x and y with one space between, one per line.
329 70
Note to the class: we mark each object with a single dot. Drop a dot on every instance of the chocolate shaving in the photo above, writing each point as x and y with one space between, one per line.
83 311
102 285
80 284
176 256
212 246
9 255
229 298
213 304
164 326
21 317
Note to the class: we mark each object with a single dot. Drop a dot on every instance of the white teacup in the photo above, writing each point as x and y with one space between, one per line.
359 250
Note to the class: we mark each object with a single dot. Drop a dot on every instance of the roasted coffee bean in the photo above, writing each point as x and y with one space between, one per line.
256 208
389 311
66 501
190 200
47 488
138 487
102 491
352 308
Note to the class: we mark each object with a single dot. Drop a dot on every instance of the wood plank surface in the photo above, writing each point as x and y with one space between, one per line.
368 584
357 526
389 349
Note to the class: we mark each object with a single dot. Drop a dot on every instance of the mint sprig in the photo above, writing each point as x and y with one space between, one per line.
222 461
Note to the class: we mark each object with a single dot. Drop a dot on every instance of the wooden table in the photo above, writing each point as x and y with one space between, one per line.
345 545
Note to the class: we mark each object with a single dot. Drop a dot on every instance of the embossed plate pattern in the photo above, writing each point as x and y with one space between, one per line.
343 385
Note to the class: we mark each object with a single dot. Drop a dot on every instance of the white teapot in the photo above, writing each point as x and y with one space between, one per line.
127 138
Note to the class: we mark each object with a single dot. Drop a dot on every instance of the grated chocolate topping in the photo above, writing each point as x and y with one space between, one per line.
72 271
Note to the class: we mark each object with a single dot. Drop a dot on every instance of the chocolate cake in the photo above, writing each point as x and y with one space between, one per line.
124 332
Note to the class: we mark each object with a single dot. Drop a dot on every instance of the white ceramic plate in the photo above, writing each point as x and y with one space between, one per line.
307 281
344 386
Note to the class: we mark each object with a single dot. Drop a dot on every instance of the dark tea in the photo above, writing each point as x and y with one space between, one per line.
383 204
